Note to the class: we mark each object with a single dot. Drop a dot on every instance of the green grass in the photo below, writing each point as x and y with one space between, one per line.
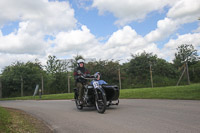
15 121
44 97
4 120
188 92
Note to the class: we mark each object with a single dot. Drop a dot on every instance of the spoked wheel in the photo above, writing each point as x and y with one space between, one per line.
100 101
79 107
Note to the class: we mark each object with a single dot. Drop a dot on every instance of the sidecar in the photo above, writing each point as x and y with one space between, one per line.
112 94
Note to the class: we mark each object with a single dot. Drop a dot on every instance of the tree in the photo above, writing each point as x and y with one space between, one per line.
0 87
108 70
164 68
54 65
195 72
56 75
140 67
185 53
13 75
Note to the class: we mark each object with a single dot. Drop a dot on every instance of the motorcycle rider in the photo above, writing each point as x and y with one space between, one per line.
78 81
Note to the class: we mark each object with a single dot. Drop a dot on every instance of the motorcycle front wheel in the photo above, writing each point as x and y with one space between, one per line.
100 101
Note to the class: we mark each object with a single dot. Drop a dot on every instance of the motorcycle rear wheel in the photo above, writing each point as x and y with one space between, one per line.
100 102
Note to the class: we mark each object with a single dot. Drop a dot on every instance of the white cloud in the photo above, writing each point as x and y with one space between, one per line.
122 37
170 47
180 12
130 10
36 19
186 10
125 42
73 41
21 42
164 29
184 39
8 59
120 45
42 15
183 11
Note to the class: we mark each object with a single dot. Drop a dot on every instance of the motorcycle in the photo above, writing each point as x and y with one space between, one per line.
100 96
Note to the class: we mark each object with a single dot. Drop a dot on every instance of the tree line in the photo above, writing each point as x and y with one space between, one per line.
142 70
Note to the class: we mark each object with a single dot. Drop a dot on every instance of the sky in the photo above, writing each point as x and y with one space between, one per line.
101 29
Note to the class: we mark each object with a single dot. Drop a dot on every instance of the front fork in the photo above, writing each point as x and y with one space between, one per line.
96 92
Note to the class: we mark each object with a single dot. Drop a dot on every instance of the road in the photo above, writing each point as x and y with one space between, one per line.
131 116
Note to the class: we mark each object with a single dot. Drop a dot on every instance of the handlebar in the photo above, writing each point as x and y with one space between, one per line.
91 77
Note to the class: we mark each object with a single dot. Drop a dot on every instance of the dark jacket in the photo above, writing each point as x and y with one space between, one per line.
77 74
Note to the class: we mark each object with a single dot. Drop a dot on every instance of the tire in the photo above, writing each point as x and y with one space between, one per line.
100 102
79 107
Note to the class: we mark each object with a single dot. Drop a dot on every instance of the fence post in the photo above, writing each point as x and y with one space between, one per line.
188 77
42 84
22 86
120 83
184 65
68 80
151 74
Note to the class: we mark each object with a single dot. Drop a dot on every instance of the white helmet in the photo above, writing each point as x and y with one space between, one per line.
80 61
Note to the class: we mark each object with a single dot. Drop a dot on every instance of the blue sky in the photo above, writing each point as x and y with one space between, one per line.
101 29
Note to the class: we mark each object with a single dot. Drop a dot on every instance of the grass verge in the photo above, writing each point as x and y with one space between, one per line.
44 97
16 121
4 120
187 92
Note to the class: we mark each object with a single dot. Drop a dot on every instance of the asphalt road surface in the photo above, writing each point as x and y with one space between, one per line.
131 116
